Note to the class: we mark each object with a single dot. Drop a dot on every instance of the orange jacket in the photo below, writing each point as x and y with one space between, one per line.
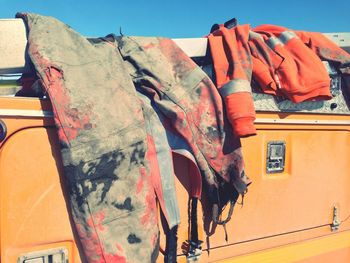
233 70
300 75
283 62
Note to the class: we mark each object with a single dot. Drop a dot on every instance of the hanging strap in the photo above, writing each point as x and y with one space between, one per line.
171 245
194 220
195 245
218 221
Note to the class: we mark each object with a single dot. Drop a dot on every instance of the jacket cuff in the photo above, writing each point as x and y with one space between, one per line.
243 127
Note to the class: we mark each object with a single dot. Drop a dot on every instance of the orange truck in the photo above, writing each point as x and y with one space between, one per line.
297 208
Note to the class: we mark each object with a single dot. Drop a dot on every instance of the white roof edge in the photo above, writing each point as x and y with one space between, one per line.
13 43
196 47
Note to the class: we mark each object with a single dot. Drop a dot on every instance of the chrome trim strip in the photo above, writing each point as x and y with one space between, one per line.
26 113
301 121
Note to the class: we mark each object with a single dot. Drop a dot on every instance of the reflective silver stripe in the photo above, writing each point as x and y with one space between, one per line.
286 36
234 86
26 113
305 122
273 41
255 35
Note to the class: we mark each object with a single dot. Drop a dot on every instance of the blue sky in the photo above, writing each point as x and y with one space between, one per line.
180 18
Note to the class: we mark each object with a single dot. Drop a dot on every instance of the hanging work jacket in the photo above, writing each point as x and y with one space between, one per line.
109 98
181 92
283 62
233 71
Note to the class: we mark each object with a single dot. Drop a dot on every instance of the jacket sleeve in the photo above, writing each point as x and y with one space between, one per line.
233 69
326 49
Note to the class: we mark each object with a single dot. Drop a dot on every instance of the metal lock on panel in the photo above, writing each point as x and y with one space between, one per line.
275 161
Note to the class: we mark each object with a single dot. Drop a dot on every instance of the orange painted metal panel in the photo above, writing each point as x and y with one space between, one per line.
23 103
316 178
14 252
262 249
333 248
340 255
33 210
279 209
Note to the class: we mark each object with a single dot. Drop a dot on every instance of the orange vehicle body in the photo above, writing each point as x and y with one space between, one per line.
285 217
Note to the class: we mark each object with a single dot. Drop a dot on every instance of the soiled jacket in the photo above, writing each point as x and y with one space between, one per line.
104 153
299 73
103 94
233 73
283 62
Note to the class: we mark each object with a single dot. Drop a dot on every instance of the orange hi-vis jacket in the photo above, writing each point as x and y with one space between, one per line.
233 70
300 71
283 62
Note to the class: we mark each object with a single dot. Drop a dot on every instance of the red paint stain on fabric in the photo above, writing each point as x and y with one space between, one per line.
114 258
176 56
119 247
109 258
148 46
146 217
91 244
147 181
93 250
98 220
139 184
68 120
118 257
154 239
151 156
149 216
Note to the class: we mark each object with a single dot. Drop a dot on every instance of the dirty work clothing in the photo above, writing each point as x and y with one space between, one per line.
170 146
101 129
233 72
302 74
283 62
187 98
161 162
108 151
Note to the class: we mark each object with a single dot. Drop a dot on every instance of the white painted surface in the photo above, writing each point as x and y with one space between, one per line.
25 113
13 43
301 121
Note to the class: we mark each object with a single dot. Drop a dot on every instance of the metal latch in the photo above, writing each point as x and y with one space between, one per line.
275 160
56 255
335 223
